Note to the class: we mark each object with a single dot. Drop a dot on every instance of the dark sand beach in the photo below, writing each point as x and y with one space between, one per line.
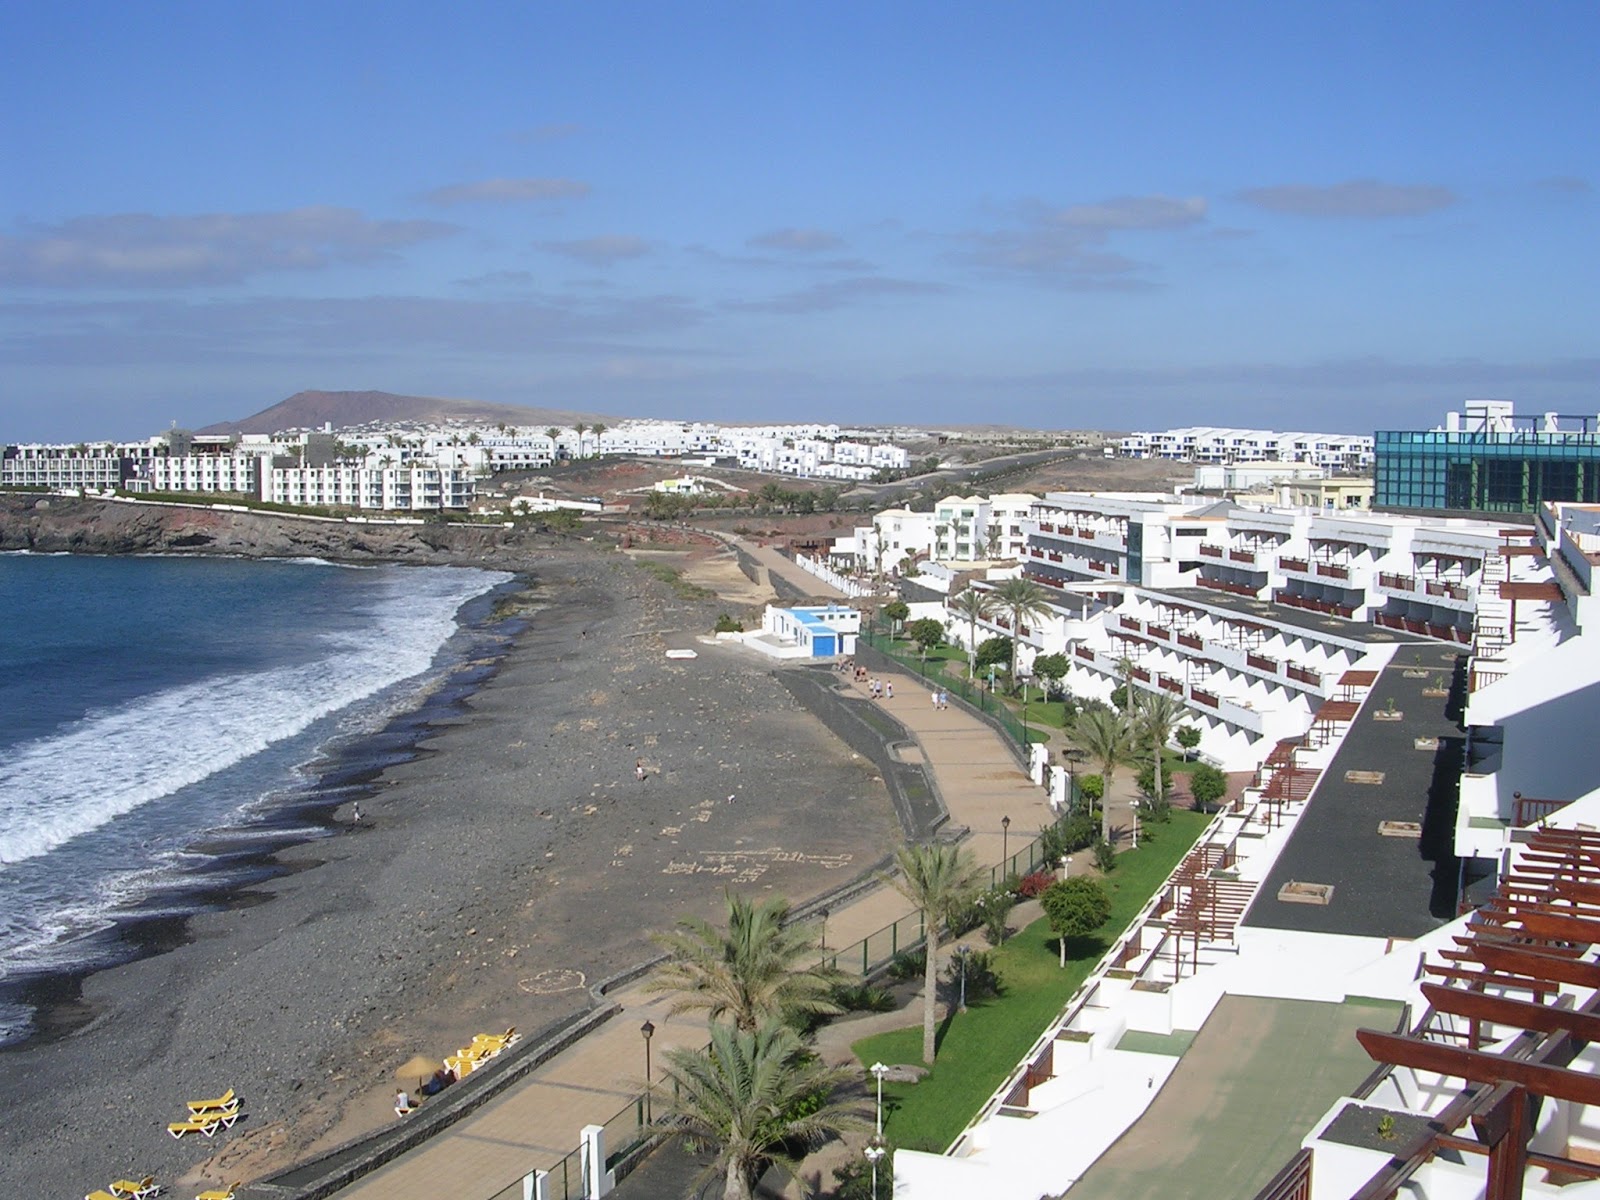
515 861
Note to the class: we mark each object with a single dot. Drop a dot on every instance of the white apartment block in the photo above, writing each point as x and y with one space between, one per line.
1207 444
406 489
1252 617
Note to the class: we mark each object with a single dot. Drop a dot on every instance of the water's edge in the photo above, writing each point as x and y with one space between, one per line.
342 771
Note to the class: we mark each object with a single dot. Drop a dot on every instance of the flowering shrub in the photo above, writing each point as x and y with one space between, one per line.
1033 884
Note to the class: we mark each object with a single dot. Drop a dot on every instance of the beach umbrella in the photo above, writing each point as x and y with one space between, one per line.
419 1067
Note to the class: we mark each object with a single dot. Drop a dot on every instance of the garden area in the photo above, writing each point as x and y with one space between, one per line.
978 1048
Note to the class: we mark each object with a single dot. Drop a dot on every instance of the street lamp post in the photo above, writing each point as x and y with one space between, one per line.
875 1150
647 1031
824 913
1005 846
961 953
1074 756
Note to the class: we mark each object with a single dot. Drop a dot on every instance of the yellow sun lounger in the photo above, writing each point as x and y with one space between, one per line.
97 1194
207 1123
220 1193
137 1190
226 1100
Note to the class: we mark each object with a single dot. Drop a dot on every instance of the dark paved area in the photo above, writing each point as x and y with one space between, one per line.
1383 886
1282 614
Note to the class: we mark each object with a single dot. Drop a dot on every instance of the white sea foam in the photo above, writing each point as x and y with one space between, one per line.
112 762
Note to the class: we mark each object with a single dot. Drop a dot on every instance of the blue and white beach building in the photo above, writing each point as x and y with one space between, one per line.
815 631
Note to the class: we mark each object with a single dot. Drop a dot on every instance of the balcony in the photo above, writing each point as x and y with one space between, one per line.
1333 571
1242 556
1295 564
1262 663
1303 675
1208 551
1190 641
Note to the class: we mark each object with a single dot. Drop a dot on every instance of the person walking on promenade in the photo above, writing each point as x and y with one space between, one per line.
888 689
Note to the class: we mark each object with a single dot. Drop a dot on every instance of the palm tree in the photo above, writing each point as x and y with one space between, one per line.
597 429
935 879
1022 600
578 428
1102 734
1158 713
752 973
753 1095
973 606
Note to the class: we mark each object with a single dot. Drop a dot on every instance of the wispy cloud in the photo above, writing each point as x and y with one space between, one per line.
1567 185
551 131
144 250
807 241
1069 245
600 251
506 191
496 279
282 329
838 293
1361 199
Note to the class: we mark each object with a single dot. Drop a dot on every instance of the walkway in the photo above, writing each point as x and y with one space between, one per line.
537 1121
770 563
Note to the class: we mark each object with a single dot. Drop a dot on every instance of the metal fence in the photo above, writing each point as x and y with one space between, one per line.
971 692
630 1127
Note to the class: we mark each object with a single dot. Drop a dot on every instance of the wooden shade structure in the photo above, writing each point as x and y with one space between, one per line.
1535 937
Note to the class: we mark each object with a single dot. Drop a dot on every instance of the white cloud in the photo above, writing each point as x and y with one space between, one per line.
838 293
807 241
1362 199
143 250
506 191
1070 245
600 251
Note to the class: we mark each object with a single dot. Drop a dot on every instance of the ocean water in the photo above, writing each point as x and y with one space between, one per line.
162 719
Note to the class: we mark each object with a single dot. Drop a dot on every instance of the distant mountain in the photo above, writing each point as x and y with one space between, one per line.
313 410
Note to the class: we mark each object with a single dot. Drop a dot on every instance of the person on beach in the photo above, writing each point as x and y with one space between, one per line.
638 770
402 1103
355 813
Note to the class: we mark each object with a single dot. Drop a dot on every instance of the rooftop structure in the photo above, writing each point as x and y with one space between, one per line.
1489 460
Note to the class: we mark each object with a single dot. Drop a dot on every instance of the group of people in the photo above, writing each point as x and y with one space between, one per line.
880 689
941 698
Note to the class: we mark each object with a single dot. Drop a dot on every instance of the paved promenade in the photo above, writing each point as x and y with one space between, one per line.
537 1121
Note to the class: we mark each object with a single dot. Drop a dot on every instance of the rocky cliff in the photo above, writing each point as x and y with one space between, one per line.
54 524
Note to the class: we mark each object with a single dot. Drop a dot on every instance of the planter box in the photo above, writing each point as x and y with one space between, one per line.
1425 743
1384 715
1399 829
1306 893
1373 777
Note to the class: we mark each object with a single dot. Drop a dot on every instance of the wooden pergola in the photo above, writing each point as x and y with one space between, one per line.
1534 940
1326 720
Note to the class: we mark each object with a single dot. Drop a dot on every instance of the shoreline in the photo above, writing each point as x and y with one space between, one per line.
511 862
344 768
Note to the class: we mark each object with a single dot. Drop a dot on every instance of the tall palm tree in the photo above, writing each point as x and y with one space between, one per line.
1102 734
752 973
1157 713
973 606
1022 600
752 1095
935 879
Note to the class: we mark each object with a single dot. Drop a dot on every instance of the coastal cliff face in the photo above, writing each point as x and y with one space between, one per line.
56 524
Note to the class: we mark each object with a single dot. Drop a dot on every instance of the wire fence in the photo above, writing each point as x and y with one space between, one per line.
973 692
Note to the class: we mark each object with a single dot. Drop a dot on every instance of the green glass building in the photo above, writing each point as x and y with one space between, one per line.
1487 470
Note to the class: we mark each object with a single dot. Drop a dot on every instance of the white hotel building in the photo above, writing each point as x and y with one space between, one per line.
1294 1015
1208 444
1252 617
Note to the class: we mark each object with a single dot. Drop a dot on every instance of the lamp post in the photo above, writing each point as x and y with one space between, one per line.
647 1031
823 912
961 953
875 1153
1074 756
875 1150
1005 846
1024 677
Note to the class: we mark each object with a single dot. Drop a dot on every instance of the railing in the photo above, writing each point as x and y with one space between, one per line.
1303 675
1205 698
1399 583
1291 1183
1262 663
1242 556
1142 675
1295 564
1211 551
1084 652
1132 623
1191 641
1238 589
1448 589
1333 570
1525 810
1171 684
1157 632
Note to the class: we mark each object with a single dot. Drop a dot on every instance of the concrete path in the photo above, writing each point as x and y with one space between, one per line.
535 1123
769 562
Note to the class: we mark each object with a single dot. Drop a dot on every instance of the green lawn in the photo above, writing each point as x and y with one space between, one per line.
978 1048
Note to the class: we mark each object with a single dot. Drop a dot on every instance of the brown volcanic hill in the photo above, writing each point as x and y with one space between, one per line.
313 410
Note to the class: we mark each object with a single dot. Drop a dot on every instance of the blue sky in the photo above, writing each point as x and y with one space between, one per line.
1129 215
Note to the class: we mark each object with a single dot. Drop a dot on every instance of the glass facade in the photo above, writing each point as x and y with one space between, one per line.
1507 472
